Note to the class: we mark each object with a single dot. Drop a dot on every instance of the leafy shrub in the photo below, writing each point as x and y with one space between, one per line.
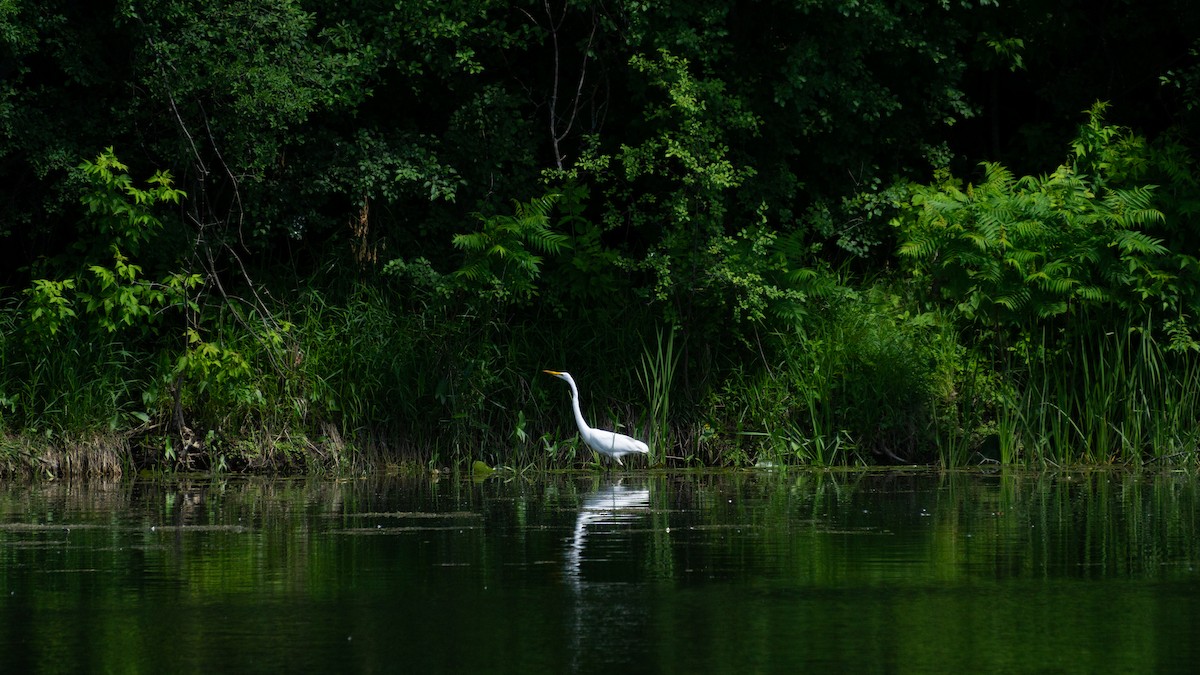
864 380
1014 251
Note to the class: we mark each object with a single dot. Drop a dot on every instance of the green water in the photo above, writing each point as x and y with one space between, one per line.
815 572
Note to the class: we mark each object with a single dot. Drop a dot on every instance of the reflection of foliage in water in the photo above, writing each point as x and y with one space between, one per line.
867 568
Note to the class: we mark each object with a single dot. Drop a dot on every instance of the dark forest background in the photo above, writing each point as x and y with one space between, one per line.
252 234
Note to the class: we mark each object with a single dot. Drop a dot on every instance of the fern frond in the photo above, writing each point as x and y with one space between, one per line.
1132 241
476 271
1030 231
475 241
996 177
979 240
1014 301
921 247
1140 197
1060 286
1025 257
547 240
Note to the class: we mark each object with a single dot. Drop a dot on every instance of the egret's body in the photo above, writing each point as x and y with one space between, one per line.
602 441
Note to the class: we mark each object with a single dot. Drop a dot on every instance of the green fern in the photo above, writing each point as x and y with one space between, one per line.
1019 249
500 260
1130 241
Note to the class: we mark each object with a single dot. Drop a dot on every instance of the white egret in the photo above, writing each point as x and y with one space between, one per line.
604 442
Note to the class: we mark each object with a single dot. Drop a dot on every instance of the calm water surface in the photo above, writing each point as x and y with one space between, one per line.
763 572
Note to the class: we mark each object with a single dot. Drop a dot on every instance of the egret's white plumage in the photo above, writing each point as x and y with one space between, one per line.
602 441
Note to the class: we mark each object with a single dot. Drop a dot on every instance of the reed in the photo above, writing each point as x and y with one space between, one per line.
1104 397
657 375
77 385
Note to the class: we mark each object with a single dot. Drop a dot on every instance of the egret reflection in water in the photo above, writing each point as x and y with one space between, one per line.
609 609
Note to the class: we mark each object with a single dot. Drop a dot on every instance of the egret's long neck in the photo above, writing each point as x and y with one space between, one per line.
583 426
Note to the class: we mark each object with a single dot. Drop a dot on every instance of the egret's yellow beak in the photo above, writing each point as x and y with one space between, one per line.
552 372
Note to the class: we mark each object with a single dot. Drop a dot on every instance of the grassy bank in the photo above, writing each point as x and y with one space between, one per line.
1036 320
362 381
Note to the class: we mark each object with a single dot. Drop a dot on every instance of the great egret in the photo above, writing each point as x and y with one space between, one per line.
604 442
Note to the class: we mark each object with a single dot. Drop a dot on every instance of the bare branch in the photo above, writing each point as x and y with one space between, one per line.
556 137
582 75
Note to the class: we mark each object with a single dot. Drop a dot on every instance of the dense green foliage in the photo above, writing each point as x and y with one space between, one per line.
1015 251
243 233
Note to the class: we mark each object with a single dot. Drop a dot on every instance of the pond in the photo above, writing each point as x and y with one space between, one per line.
734 572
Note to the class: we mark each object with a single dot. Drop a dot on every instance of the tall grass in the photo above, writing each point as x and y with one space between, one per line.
8 383
370 378
77 384
863 382
70 401
657 375
963 398
413 383
1112 396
